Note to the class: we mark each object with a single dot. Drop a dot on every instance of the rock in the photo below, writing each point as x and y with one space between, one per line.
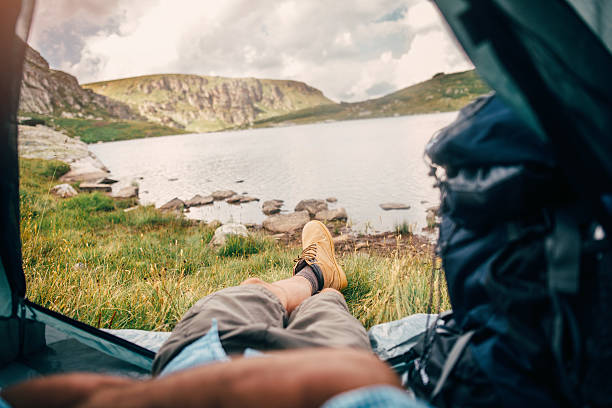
336 214
198 200
312 206
361 245
223 231
239 181
79 266
173 179
126 192
433 209
394 206
131 208
248 199
107 180
424 201
279 236
222 194
272 206
331 199
84 170
90 187
64 190
214 224
270 210
173 205
235 199
341 238
286 222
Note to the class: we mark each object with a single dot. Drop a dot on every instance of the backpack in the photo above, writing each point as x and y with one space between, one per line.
528 274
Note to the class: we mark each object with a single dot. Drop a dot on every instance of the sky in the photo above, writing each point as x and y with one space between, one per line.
349 49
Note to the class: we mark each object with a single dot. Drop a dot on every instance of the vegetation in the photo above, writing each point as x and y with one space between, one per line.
442 93
88 258
108 130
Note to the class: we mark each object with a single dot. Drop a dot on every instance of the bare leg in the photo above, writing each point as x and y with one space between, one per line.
291 292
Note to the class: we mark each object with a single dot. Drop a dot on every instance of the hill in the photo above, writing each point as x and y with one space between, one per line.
442 93
207 103
51 92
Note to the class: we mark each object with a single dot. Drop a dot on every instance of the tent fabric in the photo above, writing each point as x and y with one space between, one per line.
12 48
553 69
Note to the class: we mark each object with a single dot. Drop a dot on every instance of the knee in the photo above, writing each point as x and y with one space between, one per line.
253 281
332 290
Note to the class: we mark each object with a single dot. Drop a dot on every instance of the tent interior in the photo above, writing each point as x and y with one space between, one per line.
523 49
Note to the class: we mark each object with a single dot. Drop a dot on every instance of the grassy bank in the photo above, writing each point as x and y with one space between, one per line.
88 258
106 130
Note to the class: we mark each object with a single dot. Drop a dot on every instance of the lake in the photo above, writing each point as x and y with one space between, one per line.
362 163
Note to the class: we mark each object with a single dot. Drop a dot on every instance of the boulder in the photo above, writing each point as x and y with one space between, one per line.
175 204
312 206
64 190
272 206
126 192
90 187
223 231
248 199
286 222
235 199
331 199
222 194
394 206
107 180
198 200
337 214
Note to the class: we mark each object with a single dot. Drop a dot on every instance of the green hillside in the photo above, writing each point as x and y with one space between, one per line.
208 103
442 93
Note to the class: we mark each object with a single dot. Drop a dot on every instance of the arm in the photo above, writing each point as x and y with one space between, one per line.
304 378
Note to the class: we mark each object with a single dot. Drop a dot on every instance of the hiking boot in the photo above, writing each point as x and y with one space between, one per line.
318 253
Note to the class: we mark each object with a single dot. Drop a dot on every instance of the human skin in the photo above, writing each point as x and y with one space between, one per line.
296 378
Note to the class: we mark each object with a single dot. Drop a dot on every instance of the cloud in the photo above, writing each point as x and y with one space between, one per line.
350 49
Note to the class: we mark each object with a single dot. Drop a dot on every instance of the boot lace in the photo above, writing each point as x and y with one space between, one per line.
309 254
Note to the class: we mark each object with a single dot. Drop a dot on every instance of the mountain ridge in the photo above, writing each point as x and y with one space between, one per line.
52 92
208 103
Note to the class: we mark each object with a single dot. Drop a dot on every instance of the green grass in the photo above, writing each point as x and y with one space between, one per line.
105 130
143 269
93 131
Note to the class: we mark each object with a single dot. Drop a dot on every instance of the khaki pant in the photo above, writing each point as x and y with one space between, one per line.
250 316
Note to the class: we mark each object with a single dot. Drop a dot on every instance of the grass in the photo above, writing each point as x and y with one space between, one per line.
106 130
143 269
404 229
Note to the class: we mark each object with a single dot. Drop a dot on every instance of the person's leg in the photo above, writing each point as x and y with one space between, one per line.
255 314
245 314
322 320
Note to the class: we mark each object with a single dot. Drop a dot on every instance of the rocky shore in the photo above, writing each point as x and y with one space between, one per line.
88 174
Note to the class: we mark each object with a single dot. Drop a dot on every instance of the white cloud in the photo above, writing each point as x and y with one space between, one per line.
350 49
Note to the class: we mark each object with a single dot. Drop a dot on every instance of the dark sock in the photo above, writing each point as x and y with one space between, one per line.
311 276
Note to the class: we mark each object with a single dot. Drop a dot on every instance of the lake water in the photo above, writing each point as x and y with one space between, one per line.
362 163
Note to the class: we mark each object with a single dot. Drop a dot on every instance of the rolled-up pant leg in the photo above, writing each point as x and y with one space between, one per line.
251 316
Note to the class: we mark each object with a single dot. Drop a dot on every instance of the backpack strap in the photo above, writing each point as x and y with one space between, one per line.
451 361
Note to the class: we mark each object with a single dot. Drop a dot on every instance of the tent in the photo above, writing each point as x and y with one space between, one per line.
550 60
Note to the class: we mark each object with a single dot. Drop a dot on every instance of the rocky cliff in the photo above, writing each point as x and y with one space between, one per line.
49 92
206 103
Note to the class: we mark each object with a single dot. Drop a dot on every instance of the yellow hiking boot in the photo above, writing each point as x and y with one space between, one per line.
318 253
